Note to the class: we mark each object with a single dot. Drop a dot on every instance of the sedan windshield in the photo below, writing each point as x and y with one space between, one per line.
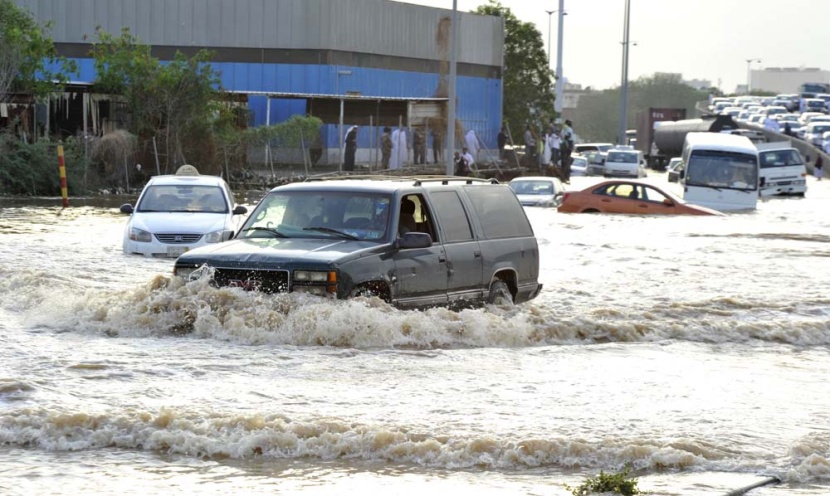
177 198
532 187
320 214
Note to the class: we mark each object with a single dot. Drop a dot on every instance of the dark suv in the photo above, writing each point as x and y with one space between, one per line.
414 242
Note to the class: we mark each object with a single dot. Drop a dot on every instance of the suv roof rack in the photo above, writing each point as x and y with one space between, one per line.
416 180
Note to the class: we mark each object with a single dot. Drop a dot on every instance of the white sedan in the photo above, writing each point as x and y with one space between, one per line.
538 191
176 213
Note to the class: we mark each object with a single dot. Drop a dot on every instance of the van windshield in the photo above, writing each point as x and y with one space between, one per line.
780 158
720 169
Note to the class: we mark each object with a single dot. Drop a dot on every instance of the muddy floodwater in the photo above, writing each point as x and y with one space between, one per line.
693 350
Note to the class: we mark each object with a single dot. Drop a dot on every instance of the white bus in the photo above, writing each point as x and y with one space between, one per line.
783 171
720 171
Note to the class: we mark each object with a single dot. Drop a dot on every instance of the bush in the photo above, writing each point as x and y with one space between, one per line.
31 169
607 483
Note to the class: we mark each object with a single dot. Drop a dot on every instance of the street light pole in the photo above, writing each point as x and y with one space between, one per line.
560 83
550 18
749 74
624 85
452 90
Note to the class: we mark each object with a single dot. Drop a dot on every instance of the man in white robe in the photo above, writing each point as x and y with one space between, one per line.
401 152
394 160
472 143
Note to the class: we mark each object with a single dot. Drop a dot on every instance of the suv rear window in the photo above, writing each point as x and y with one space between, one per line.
500 212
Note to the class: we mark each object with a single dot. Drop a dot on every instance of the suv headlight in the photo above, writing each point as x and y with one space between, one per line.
214 237
140 235
315 281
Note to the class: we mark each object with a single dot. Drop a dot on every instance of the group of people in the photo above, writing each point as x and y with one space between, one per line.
554 147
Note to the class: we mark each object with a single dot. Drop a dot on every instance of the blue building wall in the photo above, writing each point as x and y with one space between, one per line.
479 99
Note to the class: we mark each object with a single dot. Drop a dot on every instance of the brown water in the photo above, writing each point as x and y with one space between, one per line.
693 350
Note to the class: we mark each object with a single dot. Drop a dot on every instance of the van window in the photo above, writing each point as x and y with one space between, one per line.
500 212
452 216
780 158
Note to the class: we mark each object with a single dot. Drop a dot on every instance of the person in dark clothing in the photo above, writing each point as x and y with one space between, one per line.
419 146
437 146
351 149
787 129
386 147
461 167
502 141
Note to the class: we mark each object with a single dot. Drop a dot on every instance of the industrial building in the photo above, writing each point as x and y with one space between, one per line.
786 79
386 61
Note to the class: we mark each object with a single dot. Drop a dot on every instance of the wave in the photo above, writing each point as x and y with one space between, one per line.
239 436
167 306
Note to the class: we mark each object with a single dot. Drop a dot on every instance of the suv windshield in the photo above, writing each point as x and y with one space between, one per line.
622 157
320 214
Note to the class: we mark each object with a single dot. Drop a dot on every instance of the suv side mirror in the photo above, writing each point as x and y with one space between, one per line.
239 210
414 240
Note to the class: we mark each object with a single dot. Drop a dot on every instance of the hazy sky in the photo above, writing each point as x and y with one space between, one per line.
701 39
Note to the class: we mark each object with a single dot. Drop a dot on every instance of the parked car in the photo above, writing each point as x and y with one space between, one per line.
413 242
180 212
579 165
628 197
783 171
674 168
814 131
625 163
538 191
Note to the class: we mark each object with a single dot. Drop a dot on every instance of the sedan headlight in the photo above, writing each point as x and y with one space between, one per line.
214 237
140 235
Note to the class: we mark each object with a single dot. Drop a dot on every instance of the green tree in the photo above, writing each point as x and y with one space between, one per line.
527 79
175 100
597 117
29 62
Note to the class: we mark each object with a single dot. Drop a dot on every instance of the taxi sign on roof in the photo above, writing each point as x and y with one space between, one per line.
187 170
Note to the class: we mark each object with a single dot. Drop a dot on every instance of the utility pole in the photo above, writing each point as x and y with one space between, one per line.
560 82
452 90
624 85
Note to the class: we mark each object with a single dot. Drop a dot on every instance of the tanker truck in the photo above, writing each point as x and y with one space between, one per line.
670 136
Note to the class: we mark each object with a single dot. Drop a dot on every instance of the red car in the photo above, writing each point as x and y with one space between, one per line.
629 197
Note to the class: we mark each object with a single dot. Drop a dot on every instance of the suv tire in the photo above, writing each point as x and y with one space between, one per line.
500 294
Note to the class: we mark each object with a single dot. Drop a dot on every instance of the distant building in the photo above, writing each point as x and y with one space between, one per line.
786 79
288 57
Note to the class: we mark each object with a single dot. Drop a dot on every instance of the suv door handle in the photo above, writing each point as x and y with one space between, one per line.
477 254
442 259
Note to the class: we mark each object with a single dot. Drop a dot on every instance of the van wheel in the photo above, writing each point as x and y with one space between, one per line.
500 295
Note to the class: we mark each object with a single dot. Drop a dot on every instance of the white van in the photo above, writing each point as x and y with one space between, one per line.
625 162
720 171
783 171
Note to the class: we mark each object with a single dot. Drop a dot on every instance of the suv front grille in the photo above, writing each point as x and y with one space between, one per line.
266 281
177 239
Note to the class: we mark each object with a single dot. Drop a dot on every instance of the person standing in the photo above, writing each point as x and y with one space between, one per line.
502 142
530 143
460 162
419 146
386 147
555 147
472 143
818 168
468 158
437 146
395 158
403 151
567 147
351 149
